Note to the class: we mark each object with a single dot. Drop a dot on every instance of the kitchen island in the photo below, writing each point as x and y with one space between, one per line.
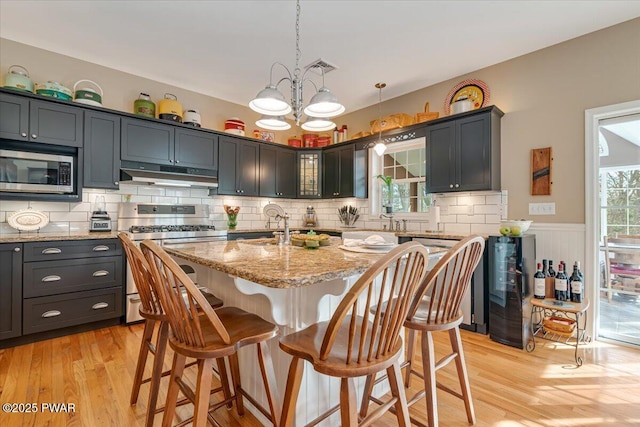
290 286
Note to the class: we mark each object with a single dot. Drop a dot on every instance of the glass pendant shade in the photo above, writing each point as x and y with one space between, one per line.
380 148
316 124
271 102
273 123
324 104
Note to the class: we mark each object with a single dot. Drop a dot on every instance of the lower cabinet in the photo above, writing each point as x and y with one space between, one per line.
10 290
57 284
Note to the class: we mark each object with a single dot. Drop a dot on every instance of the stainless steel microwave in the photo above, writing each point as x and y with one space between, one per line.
37 172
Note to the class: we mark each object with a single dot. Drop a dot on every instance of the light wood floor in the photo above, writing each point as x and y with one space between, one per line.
510 387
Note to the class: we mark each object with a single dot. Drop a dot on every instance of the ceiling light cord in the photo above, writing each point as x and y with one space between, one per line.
380 146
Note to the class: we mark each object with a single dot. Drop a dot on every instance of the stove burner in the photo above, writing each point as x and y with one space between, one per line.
168 228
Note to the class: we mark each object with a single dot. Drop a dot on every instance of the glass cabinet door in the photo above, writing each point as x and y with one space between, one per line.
309 184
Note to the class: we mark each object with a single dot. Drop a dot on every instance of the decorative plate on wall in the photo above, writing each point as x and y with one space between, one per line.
28 220
476 90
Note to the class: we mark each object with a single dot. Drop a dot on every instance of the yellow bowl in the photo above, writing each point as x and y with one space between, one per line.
312 244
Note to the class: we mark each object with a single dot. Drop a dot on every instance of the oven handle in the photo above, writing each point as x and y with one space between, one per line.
166 242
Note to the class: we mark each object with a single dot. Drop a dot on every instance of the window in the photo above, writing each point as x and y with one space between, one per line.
405 163
620 195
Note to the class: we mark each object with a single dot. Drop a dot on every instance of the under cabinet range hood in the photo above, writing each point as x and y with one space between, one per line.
169 176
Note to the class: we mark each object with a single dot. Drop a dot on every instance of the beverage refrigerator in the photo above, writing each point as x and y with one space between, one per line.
512 264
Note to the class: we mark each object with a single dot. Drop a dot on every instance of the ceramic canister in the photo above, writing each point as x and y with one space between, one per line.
235 126
144 106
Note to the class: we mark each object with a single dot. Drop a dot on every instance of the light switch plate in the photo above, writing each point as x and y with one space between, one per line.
542 208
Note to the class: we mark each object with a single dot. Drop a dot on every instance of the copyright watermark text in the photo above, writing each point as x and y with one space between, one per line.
25 408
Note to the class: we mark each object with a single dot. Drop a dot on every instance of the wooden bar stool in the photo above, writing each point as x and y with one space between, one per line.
436 307
152 313
357 343
207 335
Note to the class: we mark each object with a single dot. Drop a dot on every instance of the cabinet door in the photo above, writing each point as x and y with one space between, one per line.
101 150
330 173
144 141
268 171
55 124
346 183
227 158
247 169
440 157
196 149
309 174
14 117
286 169
10 290
473 148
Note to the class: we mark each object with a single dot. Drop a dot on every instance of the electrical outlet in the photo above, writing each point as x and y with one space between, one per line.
542 208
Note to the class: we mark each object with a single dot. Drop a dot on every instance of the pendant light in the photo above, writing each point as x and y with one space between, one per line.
271 102
380 146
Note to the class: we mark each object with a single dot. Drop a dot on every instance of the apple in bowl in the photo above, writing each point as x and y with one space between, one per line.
514 228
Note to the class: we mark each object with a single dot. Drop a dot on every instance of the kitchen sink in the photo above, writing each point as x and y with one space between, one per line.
260 242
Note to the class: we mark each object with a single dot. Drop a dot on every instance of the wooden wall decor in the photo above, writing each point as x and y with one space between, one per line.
541 171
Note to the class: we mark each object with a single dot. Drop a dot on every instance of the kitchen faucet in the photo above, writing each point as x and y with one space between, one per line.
287 232
390 216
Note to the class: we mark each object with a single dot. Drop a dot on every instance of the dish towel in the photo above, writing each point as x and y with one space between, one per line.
352 242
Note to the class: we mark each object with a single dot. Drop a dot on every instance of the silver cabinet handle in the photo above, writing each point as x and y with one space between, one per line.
23 134
34 136
51 313
16 249
134 299
100 273
457 185
52 278
99 305
450 185
52 251
100 248
177 161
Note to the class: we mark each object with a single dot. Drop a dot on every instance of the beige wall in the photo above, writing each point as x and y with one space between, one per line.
543 94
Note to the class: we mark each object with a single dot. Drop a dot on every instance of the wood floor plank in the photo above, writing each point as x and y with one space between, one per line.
94 370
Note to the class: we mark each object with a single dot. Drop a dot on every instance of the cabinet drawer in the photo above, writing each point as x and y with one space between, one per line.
41 251
55 277
59 311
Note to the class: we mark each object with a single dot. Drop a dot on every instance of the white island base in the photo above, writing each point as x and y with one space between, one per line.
292 309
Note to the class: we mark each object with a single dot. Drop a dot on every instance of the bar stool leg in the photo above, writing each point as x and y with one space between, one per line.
294 380
269 380
224 379
156 375
463 377
395 381
203 389
411 346
429 372
145 345
366 394
172 394
237 386
348 414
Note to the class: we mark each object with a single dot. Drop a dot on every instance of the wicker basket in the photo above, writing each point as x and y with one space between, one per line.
427 115
392 121
559 325
361 135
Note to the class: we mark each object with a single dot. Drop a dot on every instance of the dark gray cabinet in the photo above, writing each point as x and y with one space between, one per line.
344 172
463 154
69 283
309 174
27 119
10 290
157 143
238 165
277 171
101 150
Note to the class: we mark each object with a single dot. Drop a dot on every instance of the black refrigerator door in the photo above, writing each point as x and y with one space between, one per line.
509 267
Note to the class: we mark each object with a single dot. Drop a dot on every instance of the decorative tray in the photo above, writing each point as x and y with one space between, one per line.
28 220
476 90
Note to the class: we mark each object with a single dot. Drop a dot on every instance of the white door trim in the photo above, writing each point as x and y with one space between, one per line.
592 118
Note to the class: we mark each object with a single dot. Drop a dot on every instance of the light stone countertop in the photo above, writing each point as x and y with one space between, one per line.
426 234
43 237
275 266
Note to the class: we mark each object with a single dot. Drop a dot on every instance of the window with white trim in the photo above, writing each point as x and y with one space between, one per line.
405 163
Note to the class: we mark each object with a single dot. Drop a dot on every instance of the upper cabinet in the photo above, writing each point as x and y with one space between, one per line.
463 154
164 144
277 171
27 119
101 150
238 166
344 172
309 174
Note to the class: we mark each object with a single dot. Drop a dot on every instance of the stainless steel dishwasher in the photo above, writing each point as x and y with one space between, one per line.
475 305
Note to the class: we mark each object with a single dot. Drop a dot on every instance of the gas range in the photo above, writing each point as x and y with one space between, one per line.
167 222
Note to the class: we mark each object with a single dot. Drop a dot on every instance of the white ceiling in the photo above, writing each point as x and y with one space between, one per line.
225 48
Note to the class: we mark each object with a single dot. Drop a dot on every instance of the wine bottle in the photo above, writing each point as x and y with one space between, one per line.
576 284
577 263
545 267
552 272
539 289
561 284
